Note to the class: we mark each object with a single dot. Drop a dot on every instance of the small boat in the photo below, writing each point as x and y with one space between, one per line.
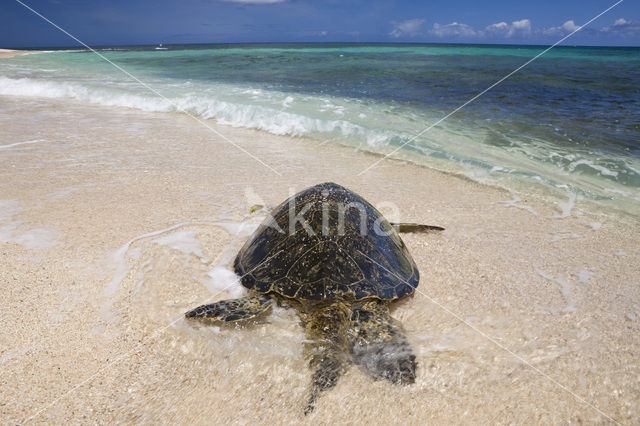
160 47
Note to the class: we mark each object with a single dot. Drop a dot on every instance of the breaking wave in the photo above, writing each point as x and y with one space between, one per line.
267 118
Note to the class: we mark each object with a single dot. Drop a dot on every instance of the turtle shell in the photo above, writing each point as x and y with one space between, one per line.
326 242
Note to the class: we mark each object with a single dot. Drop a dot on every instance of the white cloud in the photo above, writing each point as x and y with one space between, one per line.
453 29
520 28
502 29
410 27
570 26
623 27
566 28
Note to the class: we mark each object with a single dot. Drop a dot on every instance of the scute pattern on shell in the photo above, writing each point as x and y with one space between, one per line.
318 266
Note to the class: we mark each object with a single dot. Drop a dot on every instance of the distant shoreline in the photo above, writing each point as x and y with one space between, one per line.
10 53
317 43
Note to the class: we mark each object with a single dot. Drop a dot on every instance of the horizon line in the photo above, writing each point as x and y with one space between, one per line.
78 47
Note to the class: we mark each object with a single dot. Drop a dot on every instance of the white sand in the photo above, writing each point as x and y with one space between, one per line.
115 219
10 53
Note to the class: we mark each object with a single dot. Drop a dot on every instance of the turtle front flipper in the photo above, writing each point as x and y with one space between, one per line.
378 346
232 309
415 227
327 346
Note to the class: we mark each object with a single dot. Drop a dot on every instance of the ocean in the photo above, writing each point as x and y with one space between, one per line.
567 124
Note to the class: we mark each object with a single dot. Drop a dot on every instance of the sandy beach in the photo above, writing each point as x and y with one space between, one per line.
114 222
10 53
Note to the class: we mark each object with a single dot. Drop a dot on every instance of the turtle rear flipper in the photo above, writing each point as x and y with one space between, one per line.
415 227
378 346
327 370
232 309
327 330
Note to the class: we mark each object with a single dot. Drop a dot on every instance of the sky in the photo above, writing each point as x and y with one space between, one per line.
125 22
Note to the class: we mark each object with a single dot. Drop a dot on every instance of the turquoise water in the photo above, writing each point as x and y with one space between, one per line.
570 120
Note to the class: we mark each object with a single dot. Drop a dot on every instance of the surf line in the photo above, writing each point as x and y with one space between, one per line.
146 86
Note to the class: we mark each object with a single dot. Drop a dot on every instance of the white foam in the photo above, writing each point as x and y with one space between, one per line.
6 232
585 275
34 238
449 342
565 289
603 170
236 113
118 257
183 241
221 280
567 206
287 102
377 139
53 89
595 225
633 169
285 315
135 253
515 203
37 238
563 235
239 229
8 208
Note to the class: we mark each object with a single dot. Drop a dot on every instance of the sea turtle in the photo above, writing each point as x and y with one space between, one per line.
334 258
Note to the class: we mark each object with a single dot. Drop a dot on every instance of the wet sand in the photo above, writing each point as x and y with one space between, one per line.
10 53
114 222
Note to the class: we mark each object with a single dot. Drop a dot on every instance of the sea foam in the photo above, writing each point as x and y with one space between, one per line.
236 114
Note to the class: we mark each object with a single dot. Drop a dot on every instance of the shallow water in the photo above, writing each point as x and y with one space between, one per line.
568 120
457 356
